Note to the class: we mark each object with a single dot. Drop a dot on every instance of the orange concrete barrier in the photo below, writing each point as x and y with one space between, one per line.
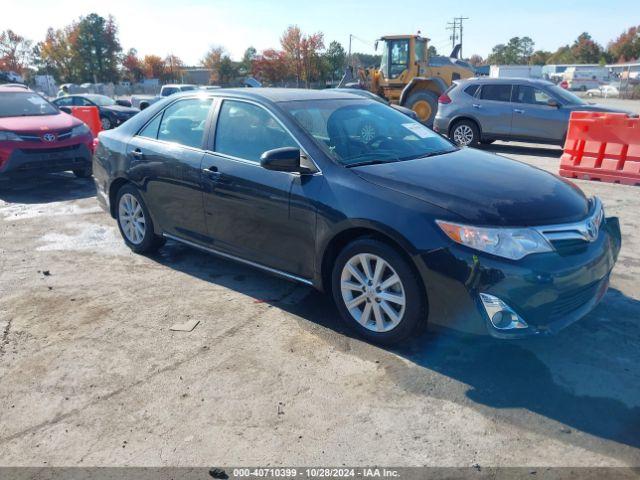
90 116
602 146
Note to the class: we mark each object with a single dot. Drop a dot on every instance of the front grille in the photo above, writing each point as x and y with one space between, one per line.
40 151
37 137
568 302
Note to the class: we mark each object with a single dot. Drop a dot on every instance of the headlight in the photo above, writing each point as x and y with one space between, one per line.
9 137
81 129
512 243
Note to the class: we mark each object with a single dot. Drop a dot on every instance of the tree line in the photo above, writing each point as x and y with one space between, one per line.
520 51
88 50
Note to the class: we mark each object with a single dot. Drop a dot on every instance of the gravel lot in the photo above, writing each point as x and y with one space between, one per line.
91 375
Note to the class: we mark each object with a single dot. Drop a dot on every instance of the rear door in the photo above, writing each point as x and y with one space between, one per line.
165 158
247 207
493 108
534 118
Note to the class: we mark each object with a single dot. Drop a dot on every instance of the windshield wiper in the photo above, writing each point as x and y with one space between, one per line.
369 162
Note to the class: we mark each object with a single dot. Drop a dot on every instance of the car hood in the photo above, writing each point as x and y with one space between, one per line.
39 123
596 107
121 109
483 188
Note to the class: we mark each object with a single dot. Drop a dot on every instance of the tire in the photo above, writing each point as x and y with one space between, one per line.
84 173
408 320
127 200
106 123
425 104
143 105
465 133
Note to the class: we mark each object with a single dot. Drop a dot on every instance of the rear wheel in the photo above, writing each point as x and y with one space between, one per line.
134 221
465 133
425 104
377 292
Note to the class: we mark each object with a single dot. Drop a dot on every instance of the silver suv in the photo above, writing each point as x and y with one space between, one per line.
481 110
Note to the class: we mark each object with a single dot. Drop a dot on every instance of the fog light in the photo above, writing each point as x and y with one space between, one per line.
500 314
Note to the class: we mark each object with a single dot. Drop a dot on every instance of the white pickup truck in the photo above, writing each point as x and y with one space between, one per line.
143 101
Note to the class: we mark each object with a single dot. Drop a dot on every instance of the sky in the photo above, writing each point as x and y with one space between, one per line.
187 28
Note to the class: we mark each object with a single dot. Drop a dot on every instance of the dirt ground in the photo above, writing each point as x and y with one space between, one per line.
91 375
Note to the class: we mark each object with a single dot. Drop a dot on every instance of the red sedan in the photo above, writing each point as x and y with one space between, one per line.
36 137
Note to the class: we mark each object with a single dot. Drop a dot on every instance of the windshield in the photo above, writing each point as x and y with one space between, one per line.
101 100
356 132
24 104
566 96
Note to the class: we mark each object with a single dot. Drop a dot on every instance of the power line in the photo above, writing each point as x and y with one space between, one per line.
456 32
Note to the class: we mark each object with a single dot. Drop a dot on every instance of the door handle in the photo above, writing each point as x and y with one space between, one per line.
518 110
475 105
137 154
212 173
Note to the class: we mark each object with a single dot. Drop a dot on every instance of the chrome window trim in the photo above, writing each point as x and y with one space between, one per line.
303 152
582 230
275 271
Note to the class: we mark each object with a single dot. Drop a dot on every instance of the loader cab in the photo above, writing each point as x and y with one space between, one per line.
402 56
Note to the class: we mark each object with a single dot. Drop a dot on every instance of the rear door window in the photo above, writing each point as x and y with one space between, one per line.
496 93
183 122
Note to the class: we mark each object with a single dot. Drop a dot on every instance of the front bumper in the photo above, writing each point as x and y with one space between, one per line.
28 160
548 291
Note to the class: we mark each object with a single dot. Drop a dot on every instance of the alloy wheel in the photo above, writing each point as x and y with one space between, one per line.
463 135
131 218
373 292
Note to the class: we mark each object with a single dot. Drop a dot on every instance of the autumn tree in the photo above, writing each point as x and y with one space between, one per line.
57 55
16 52
626 47
153 67
585 50
211 60
270 66
310 47
291 42
132 66
539 57
173 67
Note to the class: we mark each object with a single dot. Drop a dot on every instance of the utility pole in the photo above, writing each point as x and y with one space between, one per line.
456 27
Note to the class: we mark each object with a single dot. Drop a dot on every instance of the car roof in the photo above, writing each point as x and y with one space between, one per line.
523 80
278 95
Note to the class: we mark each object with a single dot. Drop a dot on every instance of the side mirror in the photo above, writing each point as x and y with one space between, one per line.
553 103
123 103
285 159
66 110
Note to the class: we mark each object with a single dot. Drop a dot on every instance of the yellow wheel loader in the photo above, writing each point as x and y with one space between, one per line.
408 77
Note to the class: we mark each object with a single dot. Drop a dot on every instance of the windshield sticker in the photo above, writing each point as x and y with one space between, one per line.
419 130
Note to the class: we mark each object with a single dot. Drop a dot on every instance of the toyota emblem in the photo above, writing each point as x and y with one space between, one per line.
592 230
49 137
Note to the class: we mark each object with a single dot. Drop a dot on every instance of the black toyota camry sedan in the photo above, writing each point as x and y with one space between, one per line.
403 228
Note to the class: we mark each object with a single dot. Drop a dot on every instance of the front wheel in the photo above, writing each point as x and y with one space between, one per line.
106 123
377 292
134 221
425 104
